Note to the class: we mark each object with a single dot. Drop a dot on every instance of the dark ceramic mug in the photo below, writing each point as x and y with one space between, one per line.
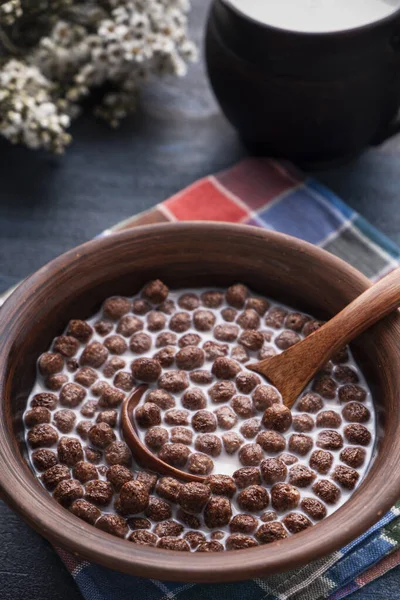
314 98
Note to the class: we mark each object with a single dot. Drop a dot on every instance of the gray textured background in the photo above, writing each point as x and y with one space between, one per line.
50 204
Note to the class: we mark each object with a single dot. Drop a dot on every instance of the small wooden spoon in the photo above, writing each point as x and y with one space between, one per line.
293 369
142 454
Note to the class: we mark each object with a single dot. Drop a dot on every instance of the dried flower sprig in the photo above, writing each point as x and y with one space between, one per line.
89 44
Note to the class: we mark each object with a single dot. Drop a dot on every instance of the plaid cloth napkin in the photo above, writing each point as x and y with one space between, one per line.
273 195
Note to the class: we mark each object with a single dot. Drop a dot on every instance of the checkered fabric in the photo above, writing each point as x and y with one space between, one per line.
275 196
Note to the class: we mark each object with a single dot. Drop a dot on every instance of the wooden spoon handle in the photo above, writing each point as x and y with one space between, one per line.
369 308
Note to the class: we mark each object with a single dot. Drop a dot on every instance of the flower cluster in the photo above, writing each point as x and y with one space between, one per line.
108 44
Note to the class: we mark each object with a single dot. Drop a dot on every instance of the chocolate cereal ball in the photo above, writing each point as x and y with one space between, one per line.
284 496
239 541
251 339
246 477
174 454
236 295
148 479
212 546
193 399
326 491
99 492
354 412
249 319
353 457
199 464
296 321
232 442
189 301
246 382
271 441
226 333
181 435
94 355
253 498
117 475
115 344
204 421
345 374
55 382
167 307
173 543
52 476
71 395
250 455
113 524
155 292
168 488
42 435
85 510
288 459
148 415
101 435
111 397
107 416
80 330
166 356
64 420
84 471
222 391
189 339
89 408
310 403
43 459
329 418
321 461
133 498
271 532
69 451
275 317
314 508
193 497
260 305
213 350
189 358
325 385
212 299
140 306
352 393
303 423
140 343
37 415
229 314
166 338
329 440
296 522
208 443
243 524
129 325
118 453
300 443
218 512
286 339
221 485
277 417
188 519
83 429
273 470
67 491
301 476
226 418
85 376
239 354
203 320
265 396
146 369
243 406
345 476
180 322
66 345
158 510
160 397
176 416
139 523
250 428
114 308
124 381
174 381
225 368
92 454
50 363
168 529
103 327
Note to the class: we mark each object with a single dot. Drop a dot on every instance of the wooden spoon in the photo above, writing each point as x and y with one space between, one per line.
293 369
142 454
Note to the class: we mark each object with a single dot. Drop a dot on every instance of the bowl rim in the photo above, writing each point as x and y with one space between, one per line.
19 487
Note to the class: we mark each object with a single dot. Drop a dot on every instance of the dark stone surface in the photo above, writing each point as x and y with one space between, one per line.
50 204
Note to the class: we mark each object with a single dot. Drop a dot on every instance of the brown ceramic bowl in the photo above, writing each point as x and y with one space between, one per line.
288 269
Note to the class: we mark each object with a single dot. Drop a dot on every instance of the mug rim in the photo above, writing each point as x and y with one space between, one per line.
29 499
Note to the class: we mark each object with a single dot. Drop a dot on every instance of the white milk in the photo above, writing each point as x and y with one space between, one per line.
316 16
